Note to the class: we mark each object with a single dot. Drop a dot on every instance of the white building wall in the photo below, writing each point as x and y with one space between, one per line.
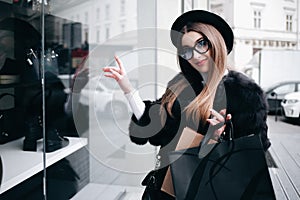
271 35
272 14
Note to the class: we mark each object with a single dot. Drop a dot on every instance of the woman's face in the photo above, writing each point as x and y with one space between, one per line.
196 50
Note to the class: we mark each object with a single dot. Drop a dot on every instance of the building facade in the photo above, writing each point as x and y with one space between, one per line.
257 24
260 24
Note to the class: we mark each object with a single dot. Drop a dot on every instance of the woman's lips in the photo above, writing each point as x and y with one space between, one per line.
201 62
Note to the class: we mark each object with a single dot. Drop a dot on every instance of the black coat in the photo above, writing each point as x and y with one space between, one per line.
245 102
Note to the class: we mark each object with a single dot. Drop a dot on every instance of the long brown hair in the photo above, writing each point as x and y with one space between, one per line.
199 108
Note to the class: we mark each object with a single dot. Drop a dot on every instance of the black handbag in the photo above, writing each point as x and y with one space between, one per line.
234 169
151 192
11 121
151 181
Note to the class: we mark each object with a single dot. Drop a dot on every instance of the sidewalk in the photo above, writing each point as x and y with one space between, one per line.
285 151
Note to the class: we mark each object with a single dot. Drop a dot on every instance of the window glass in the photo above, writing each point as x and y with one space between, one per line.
289 22
284 89
83 117
257 18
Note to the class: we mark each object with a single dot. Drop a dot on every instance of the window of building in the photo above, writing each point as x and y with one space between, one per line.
98 36
107 11
98 14
86 17
86 34
257 18
122 28
289 23
122 8
107 32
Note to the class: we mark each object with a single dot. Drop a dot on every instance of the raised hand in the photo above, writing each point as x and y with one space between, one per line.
119 74
216 120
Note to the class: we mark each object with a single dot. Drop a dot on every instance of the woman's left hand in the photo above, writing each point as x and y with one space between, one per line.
119 74
218 117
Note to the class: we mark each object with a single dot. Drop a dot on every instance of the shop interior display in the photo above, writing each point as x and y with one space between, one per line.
24 84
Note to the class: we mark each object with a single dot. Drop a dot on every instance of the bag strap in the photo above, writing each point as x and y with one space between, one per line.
205 148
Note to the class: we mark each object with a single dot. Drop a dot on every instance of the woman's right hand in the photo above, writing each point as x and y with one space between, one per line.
217 120
119 74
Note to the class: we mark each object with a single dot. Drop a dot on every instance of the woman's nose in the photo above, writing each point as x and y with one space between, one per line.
196 54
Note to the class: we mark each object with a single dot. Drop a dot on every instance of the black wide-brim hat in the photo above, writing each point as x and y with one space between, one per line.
204 17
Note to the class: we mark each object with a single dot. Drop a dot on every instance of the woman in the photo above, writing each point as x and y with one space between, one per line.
203 41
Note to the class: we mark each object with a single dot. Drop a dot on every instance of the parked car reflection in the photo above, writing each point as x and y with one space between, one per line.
276 93
108 100
291 105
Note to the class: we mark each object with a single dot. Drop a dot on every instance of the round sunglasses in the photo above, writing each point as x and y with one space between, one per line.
201 46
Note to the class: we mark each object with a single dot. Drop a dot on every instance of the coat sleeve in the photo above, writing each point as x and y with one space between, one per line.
151 127
253 121
248 107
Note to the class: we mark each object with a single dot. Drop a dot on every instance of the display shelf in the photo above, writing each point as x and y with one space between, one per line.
19 165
